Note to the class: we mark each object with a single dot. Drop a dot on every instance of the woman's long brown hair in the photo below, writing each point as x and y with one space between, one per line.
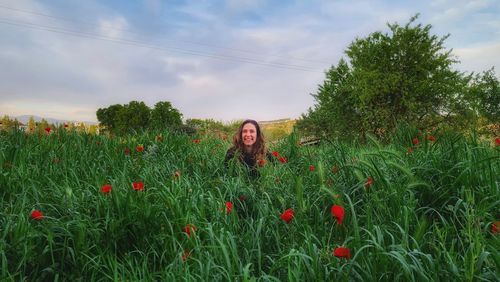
258 148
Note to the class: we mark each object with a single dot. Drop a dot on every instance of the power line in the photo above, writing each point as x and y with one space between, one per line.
142 44
134 33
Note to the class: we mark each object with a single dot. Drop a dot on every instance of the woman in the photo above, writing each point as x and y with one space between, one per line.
249 146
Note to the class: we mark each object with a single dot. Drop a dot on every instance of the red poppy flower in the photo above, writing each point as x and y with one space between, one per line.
48 129
196 141
338 212
189 229
37 215
410 150
65 125
282 160
311 168
287 215
497 141
335 169
495 227
242 198
415 141
127 151
342 252
106 188
139 148
276 154
431 138
138 186
229 207
369 182
262 162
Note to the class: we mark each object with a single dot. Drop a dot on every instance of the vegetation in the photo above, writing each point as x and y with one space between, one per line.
86 207
404 76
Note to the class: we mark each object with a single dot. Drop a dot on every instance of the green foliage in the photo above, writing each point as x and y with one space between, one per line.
165 116
406 76
427 216
137 116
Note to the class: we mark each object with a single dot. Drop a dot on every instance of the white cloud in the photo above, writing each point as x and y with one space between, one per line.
113 28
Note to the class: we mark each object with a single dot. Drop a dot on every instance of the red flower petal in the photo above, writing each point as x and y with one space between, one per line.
495 227
287 215
431 138
276 154
342 252
338 212
497 141
37 215
139 148
282 160
106 188
312 168
48 129
335 169
138 186
369 182
189 229
415 141
229 207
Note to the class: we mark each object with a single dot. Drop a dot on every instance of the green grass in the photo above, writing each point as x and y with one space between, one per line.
426 217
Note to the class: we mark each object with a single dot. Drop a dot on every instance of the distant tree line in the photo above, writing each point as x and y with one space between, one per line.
136 117
404 76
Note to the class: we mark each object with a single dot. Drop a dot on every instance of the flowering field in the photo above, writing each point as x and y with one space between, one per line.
161 207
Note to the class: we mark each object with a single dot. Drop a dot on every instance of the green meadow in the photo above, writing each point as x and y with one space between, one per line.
417 208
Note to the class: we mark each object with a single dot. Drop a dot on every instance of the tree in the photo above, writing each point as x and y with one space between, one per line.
165 116
133 117
401 76
109 116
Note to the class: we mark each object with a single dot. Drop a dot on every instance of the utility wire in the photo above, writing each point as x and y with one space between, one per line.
134 33
142 44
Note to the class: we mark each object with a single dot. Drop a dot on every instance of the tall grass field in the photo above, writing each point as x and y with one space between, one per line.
162 207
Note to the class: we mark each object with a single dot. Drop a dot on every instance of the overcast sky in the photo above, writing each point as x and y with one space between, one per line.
225 60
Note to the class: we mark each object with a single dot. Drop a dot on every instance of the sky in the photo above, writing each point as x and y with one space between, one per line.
225 59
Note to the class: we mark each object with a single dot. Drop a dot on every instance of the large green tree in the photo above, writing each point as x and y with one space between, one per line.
404 75
165 116
108 117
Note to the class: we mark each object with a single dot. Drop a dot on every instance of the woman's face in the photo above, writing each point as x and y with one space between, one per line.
249 134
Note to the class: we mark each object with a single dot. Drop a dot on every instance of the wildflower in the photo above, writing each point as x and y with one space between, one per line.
369 182
311 168
37 215
342 252
242 198
127 151
261 162
338 212
189 229
185 255
410 150
276 154
139 148
106 188
415 141
497 141
282 160
138 186
287 215
335 169
177 174
48 129
98 143
65 125
159 138
229 207
431 138
329 182
196 141
495 227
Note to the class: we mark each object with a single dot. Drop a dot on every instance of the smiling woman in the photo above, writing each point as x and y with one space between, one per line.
249 146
